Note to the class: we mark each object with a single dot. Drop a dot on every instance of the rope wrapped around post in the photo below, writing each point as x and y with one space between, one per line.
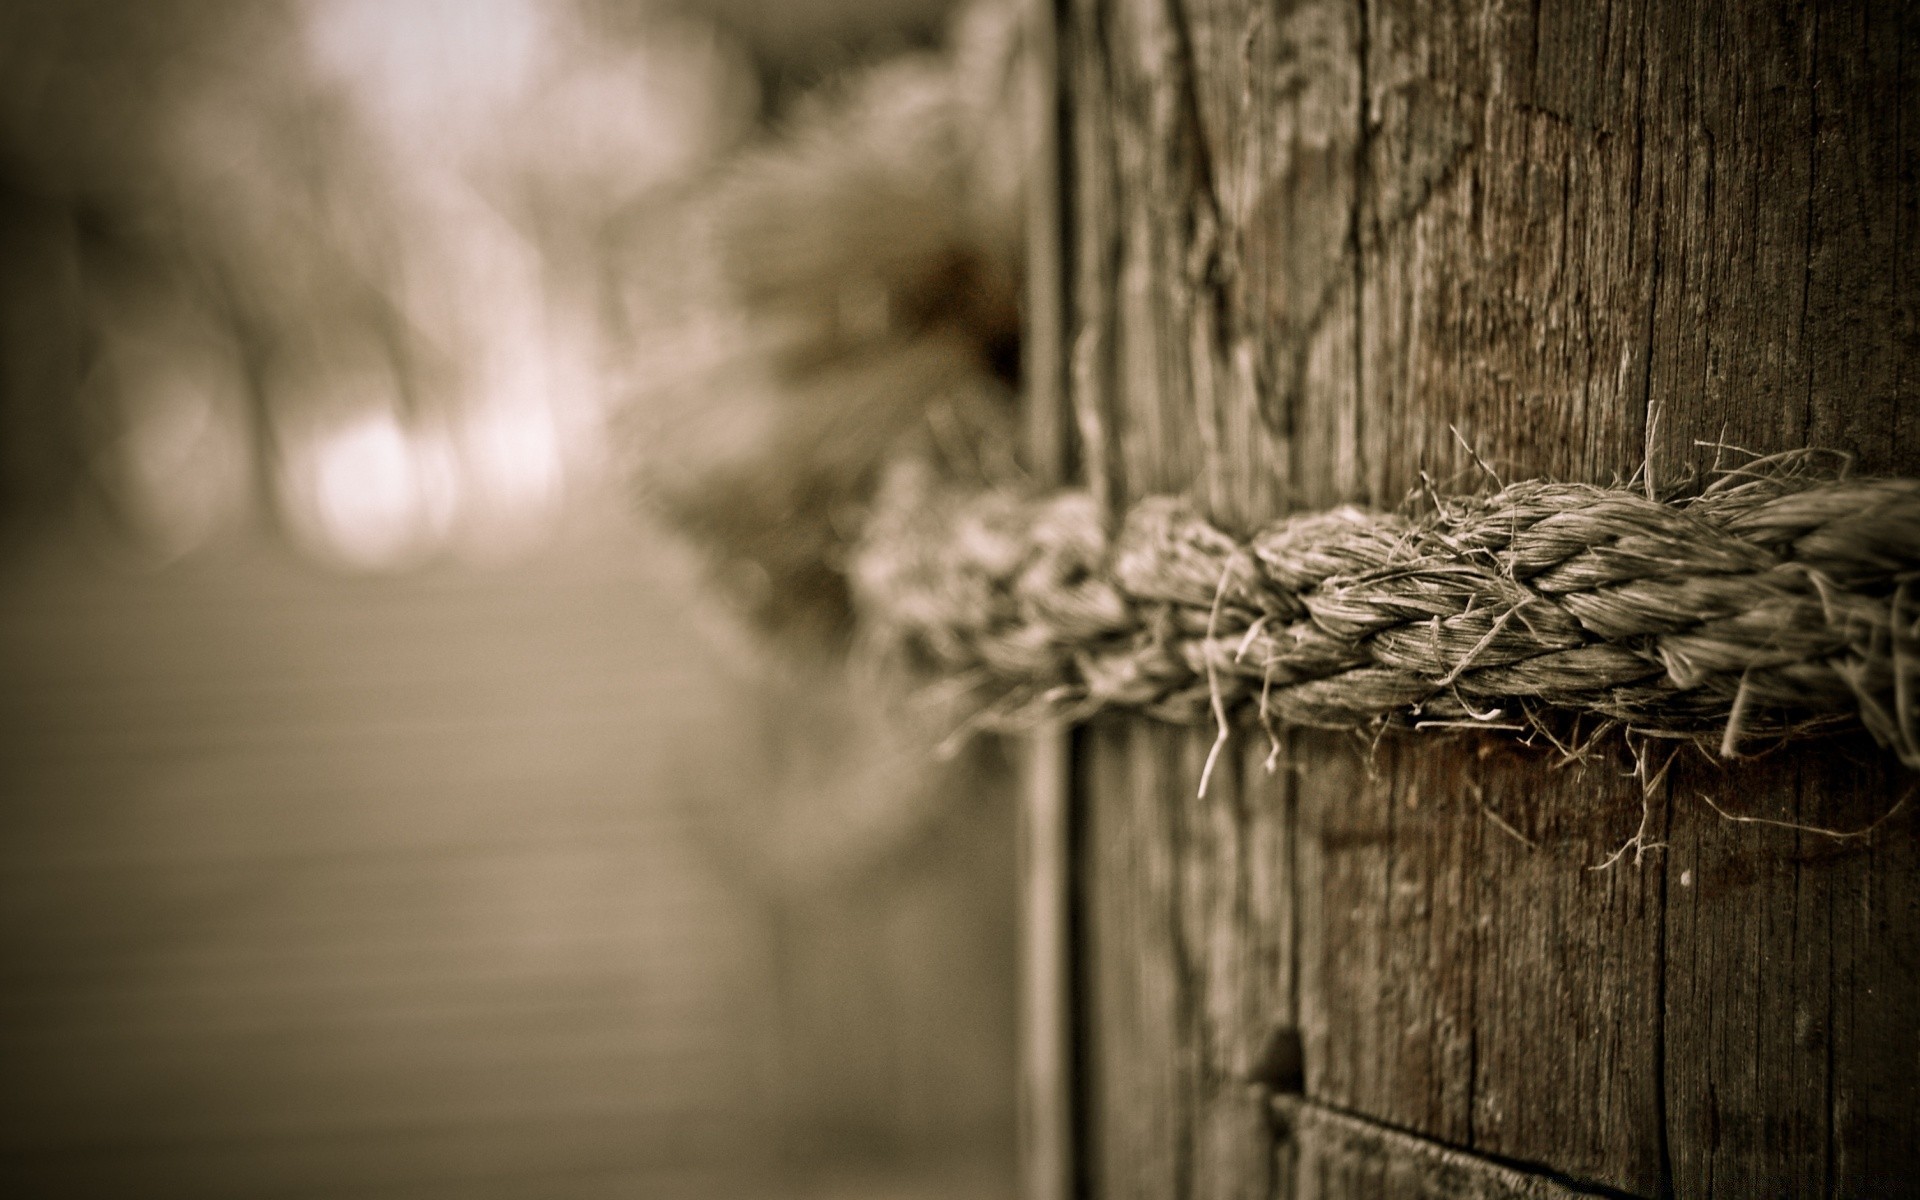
1776 602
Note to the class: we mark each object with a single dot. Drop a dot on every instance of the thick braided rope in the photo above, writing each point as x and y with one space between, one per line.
1779 601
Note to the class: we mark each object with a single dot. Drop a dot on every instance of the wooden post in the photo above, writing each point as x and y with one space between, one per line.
1046 977
1313 251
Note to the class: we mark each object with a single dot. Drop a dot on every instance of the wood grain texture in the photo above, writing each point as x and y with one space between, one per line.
1191 966
1464 973
1342 1155
1315 251
1048 1166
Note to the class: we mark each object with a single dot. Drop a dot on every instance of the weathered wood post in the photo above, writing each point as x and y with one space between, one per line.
1300 246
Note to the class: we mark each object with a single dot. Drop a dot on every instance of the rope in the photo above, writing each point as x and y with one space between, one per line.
1779 601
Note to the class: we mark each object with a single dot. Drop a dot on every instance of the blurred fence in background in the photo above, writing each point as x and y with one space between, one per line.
328 886
385 810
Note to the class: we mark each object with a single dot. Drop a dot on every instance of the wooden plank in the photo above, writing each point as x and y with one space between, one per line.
1048 1166
1137 1064
1187 903
1464 972
1315 252
1190 948
1047 1078
1788 1071
1790 1068
1342 1155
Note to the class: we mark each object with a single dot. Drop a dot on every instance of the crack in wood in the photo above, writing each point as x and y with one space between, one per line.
1337 1147
1549 227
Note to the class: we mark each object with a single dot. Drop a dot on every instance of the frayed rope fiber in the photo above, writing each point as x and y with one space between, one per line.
1778 601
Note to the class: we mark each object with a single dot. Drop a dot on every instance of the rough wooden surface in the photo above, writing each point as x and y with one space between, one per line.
1190 965
1047 990
1341 1155
1313 249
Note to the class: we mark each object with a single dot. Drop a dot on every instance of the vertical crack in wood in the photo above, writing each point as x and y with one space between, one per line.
1641 184
1473 994
1356 247
1051 1076
1833 1042
1662 1081
1186 86
1664 1134
1202 224
1828 1145
1290 816
1673 245
1097 257
1813 167
1900 235
1187 1019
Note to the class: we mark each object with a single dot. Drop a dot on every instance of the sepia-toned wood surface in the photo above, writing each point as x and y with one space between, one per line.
1314 250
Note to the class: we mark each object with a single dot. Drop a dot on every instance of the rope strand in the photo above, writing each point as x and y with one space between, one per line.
1772 604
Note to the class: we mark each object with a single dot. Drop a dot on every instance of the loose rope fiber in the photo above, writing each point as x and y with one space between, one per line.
1777 602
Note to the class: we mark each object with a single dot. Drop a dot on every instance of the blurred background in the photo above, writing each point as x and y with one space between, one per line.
388 805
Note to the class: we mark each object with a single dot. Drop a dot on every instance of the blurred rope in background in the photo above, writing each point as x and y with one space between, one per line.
384 808
332 266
